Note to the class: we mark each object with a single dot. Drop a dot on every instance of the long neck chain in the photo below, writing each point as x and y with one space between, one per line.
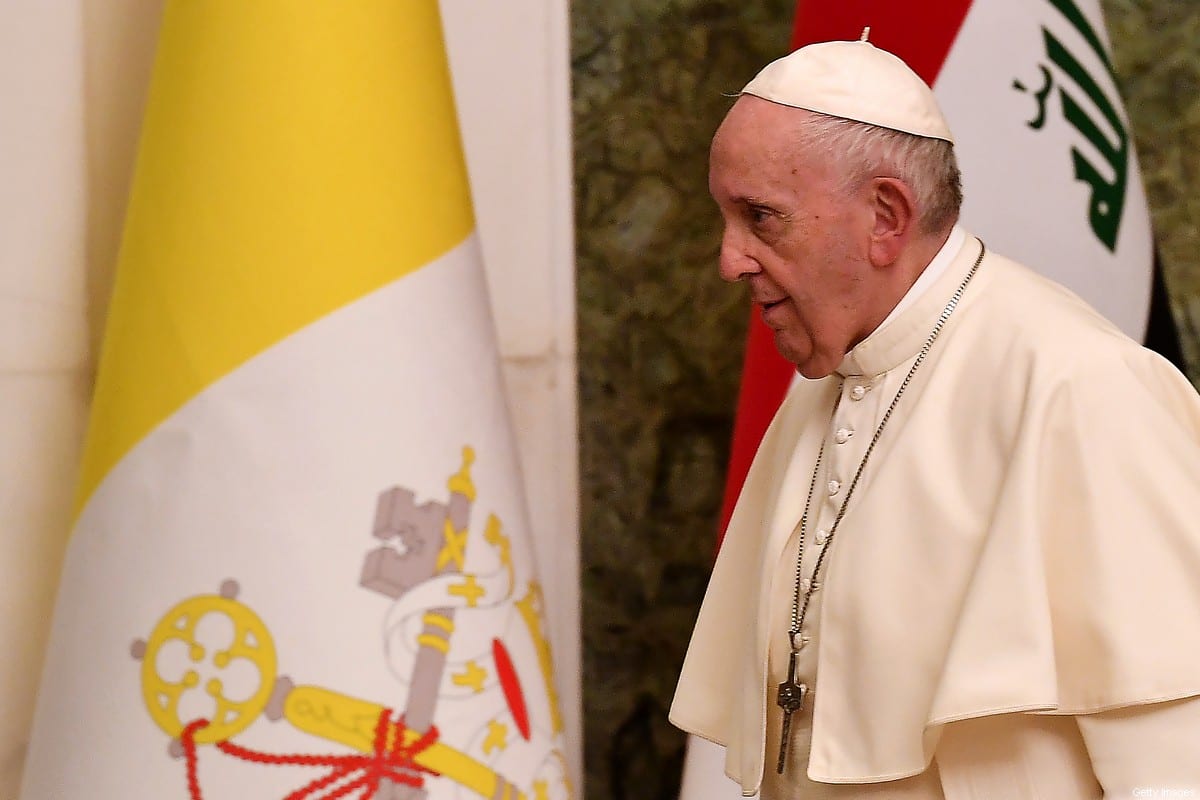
803 594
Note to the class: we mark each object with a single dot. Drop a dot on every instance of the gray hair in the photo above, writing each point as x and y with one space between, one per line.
926 165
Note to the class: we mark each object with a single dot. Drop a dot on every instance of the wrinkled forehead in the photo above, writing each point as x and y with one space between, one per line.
759 130
758 152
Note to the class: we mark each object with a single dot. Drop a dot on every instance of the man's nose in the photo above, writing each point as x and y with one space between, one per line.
734 262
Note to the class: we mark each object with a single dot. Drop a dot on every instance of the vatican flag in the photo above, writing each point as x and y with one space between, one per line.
299 566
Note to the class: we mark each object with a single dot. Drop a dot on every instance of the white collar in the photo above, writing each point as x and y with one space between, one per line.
939 264
901 335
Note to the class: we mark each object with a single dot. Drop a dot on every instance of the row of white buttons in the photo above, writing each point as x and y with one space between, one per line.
842 435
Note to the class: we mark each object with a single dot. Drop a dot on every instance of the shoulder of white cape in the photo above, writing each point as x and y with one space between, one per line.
1092 448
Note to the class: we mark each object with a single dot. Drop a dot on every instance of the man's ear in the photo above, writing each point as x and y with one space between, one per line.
894 210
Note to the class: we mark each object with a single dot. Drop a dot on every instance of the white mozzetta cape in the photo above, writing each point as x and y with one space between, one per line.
1026 538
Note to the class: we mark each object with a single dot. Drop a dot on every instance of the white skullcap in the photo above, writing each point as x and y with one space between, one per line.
853 80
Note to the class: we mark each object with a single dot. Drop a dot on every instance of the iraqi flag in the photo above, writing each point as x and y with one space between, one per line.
1050 178
300 563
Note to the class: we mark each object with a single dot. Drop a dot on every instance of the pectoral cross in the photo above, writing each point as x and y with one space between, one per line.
789 697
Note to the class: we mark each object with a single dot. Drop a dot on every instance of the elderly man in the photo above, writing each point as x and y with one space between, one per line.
966 560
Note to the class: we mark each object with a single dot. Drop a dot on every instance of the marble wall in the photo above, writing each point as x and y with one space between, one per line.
660 337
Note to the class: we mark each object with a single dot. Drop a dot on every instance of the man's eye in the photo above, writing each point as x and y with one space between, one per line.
758 214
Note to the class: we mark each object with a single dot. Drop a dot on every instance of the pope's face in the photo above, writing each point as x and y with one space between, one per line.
792 234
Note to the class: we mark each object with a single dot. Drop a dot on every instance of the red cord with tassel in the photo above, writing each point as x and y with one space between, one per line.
396 763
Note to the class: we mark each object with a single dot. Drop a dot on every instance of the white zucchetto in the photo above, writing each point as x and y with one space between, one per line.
856 81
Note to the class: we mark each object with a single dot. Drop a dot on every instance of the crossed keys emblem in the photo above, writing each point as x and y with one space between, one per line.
209 669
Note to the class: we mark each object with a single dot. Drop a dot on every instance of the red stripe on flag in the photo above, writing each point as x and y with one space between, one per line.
923 40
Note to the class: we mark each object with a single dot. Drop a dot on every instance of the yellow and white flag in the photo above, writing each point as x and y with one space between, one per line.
300 565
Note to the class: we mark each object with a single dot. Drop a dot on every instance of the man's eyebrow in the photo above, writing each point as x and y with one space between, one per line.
752 200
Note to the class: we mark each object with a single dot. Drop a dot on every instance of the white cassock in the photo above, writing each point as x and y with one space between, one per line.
1011 605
